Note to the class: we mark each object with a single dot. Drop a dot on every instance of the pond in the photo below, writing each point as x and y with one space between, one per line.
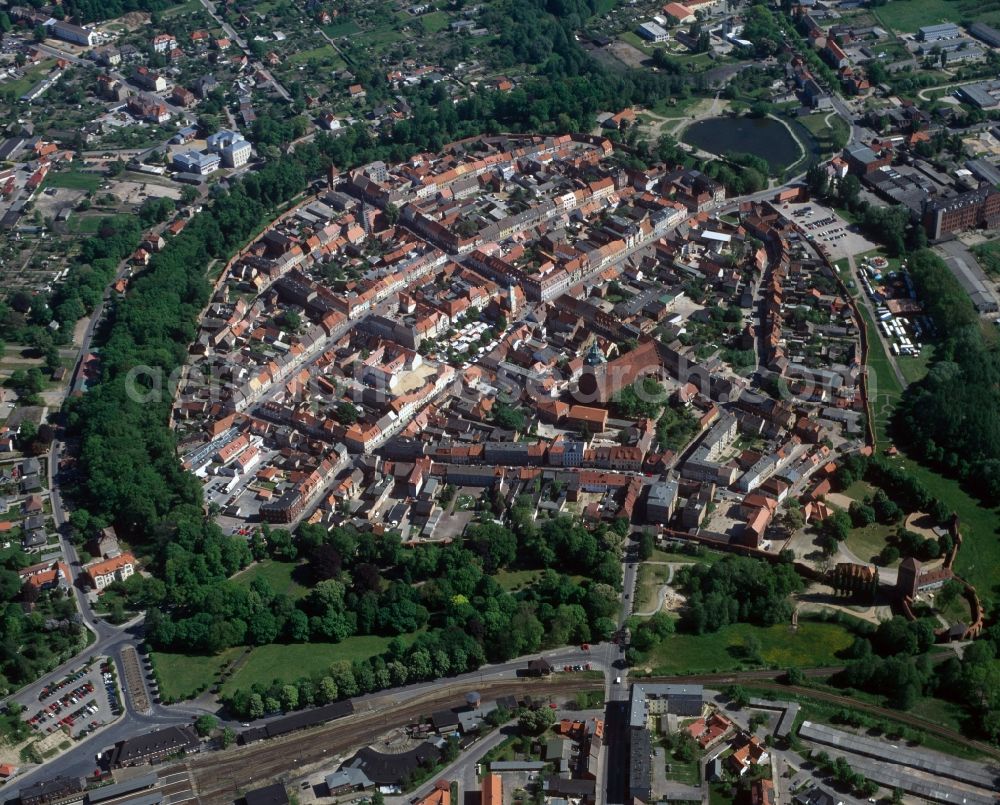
763 137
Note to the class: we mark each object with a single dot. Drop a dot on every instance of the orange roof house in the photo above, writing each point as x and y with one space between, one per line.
104 572
440 795
491 790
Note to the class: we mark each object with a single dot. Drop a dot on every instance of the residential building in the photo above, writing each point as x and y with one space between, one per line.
104 572
491 790
164 42
46 575
661 501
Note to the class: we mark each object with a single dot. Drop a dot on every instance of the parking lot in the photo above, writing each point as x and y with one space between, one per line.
79 703
828 231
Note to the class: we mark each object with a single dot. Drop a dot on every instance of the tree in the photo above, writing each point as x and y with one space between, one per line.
188 195
647 543
289 697
535 721
346 413
255 706
738 695
795 676
228 737
205 725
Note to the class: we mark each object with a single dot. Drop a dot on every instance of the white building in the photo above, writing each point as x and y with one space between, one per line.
196 162
105 572
653 32
231 145
73 33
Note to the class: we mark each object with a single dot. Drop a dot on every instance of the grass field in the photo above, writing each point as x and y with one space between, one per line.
32 75
434 22
182 675
906 16
324 55
829 131
516 579
709 558
934 711
636 41
286 663
74 180
280 575
813 644
915 367
347 28
980 525
647 586
684 772
87 224
883 386
679 108
988 255
378 37
181 8
867 542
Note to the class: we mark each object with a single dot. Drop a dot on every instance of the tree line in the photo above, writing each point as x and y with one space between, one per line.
951 418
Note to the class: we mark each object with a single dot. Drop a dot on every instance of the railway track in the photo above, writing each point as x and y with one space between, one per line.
895 715
768 681
220 777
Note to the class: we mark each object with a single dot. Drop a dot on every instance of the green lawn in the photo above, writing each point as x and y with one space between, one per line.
859 490
280 575
435 21
74 180
516 579
709 557
676 107
378 37
636 41
684 772
325 54
829 130
183 675
883 387
988 256
89 223
32 75
979 556
906 16
980 525
287 663
868 542
346 28
647 586
814 643
915 367
934 711
186 7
